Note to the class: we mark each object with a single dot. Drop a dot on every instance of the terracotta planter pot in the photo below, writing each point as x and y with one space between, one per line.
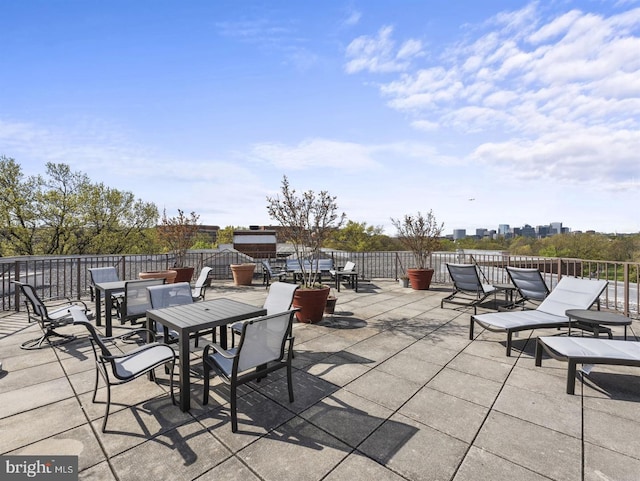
420 279
184 274
168 275
311 303
242 274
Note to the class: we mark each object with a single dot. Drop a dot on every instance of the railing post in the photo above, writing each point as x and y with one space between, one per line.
626 290
78 272
16 292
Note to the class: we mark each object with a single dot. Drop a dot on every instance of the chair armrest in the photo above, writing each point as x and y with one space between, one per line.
144 347
219 349
126 335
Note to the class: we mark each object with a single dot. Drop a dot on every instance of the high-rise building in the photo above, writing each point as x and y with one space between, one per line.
459 234
503 229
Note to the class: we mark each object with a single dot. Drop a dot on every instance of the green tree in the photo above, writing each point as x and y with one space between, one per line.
225 235
62 213
356 237
18 216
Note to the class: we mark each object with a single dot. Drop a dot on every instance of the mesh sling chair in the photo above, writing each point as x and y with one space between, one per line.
167 295
468 289
262 349
269 273
279 299
570 293
135 301
98 275
118 368
49 321
529 284
200 287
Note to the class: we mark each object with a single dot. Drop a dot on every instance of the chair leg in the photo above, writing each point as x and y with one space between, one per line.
234 408
173 397
571 377
39 342
106 412
206 373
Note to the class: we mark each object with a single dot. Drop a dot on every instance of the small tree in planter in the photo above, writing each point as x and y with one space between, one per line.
178 234
307 220
421 235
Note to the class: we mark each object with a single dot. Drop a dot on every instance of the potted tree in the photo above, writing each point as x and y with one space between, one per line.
178 234
421 235
307 220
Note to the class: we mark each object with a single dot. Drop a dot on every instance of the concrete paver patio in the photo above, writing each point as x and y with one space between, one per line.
389 388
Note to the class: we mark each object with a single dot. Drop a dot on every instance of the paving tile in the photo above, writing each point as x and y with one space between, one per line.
603 464
340 369
534 447
483 465
612 432
414 451
179 454
297 450
30 397
564 417
25 428
307 390
357 467
495 370
449 414
406 366
384 389
257 415
132 425
78 441
348 417
472 388
231 469
427 351
99 472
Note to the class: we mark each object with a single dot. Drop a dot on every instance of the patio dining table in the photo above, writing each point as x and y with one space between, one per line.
190 318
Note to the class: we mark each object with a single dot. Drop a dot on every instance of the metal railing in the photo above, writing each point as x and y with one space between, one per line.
67 276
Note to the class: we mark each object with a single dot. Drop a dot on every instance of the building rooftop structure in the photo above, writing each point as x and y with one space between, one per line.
389 388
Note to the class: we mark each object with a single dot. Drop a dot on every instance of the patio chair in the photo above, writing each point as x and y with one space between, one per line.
279 299
348 272
261 350
570 293
176 294
587 350
135 301
269 273
49 321
529 284
104 274
468 290
118 368
200 288
167 295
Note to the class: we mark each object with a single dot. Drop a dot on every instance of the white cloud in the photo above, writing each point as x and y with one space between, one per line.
559 96
379 54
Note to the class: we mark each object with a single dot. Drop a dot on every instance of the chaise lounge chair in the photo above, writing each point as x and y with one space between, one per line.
468 290
529 284
570 293
587 350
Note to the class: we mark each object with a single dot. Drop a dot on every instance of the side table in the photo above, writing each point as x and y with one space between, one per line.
597 320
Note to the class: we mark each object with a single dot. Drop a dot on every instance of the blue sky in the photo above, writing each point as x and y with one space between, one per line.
492 112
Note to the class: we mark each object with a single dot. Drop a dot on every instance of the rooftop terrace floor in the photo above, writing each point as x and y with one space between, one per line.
389 388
